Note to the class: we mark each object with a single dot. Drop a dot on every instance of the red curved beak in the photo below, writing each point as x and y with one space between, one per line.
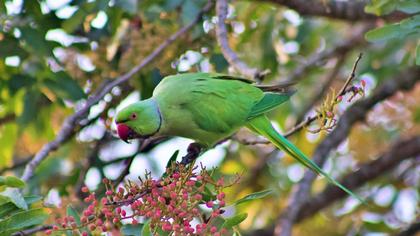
124 132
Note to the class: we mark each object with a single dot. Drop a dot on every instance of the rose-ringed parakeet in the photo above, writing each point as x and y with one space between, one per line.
208 108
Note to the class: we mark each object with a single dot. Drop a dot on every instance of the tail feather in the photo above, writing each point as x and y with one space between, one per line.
262 126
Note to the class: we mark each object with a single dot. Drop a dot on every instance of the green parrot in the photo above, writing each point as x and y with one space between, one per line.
208 108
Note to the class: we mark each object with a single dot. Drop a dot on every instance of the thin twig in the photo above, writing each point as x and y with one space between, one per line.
69 124
32 230
228 53
342 92
318 95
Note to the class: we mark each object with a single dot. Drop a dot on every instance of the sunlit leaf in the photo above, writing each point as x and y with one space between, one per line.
254 196
22 220
384 33
235 220
8 136
11 181
15 197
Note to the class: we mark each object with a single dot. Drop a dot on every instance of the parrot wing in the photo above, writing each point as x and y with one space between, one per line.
268 103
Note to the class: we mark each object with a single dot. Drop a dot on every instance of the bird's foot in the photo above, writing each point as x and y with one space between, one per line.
193 151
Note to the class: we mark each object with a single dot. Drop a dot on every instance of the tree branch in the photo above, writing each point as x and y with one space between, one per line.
357 112
344 10
411 230
228 53
33 230
401 151
70 123
7 118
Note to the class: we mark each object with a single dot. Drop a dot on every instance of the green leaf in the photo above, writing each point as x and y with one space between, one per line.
235 220
132 230
219 61
8 136
30 107
15 197
418 54
381 7
409 7
254 196
76 20
64 86
146 229
35 39
72 212
9 208
129 6
22 220
169 163
384 33
190 9
9 46
12 181
172 159
411 23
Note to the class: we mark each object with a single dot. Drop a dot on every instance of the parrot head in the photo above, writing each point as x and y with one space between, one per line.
138 120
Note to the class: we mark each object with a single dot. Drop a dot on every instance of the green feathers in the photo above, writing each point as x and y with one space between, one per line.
261 125
211 107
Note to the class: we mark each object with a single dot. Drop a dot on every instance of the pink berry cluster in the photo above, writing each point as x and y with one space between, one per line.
183 202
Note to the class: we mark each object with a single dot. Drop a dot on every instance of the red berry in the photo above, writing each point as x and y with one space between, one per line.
85 189
209 204
85 234
213 229
48 232
108 192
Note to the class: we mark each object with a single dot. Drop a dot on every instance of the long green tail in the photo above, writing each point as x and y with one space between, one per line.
262 126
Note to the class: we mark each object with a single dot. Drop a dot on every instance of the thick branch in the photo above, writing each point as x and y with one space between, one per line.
401 151
71 122
344 10
228 53
357 112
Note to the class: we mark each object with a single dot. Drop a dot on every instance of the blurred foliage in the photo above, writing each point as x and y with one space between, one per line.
55 53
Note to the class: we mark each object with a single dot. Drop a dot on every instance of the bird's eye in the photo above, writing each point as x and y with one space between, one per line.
133 116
